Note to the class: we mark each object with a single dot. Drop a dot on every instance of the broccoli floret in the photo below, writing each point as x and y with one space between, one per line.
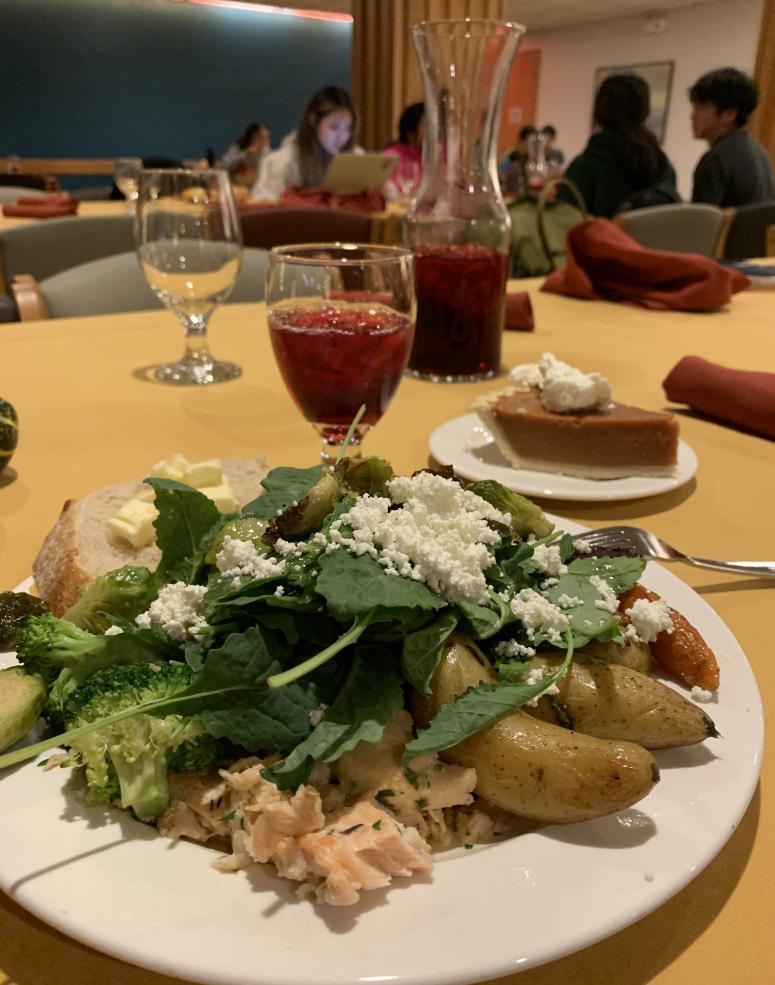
131 758
15 609
124 593
47 645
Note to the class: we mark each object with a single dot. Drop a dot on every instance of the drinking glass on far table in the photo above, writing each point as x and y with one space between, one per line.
341 322
127 177
189 243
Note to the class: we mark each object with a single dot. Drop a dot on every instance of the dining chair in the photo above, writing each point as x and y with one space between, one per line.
266 226
684 227
10 193
747 234
770 241
45 247
116 284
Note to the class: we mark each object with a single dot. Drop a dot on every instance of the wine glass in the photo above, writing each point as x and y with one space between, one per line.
189 244
406 178
127 178
341 321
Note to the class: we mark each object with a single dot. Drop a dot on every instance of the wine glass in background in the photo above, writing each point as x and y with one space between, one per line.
127 178
341 322
406 178
189 243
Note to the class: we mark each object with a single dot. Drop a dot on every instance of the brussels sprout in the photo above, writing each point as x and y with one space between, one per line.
21 702
526 516
240 528
9 432
125 592
307 515
15 609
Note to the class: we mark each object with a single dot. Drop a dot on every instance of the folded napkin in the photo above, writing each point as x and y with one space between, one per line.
604 263
519 312
734 395
44 211
371 200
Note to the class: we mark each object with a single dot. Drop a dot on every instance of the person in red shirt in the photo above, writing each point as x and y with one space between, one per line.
408 149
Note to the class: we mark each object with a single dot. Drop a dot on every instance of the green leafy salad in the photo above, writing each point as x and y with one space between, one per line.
295 631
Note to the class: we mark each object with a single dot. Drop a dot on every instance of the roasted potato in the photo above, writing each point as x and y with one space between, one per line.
635 655
531 767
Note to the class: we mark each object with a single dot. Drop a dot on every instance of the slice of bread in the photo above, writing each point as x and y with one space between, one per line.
81 546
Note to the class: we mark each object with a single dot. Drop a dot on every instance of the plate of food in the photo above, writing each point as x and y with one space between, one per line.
555 432
351 722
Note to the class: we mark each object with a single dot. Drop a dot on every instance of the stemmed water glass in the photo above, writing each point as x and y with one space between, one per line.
341 322
127 178
189 243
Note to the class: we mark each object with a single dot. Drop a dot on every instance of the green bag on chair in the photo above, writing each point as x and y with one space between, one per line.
538 230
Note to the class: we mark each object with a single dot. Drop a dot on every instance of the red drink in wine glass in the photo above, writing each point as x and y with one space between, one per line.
460 299
341 323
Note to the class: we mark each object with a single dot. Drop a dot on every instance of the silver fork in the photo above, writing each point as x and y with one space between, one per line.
634 540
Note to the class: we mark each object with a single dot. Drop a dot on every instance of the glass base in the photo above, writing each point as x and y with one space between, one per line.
441 378
197 370
333 436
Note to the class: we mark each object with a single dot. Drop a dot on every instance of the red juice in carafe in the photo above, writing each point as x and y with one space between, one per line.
460 297
335 357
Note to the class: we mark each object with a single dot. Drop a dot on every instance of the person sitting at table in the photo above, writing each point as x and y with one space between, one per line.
735 170
622 165
408 148
554 156
243 158
326 128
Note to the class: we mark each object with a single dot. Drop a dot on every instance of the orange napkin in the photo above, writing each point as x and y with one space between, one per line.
734 395
56 198
519 312
603 263
371 200
44 211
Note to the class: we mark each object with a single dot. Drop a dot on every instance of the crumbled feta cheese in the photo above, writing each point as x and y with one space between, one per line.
113 631
648 620
286 547
701 695
317 715
440 535
511 649
569 601
582 547
566 389
548 583
280 591
538 615
547 559
240 557
608 601
534 676
177 612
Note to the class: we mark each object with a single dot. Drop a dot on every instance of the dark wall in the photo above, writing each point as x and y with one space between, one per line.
105 78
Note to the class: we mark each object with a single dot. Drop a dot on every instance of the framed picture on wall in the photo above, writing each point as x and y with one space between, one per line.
659 76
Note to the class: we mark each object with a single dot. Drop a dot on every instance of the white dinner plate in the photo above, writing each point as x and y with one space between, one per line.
113 883
465 443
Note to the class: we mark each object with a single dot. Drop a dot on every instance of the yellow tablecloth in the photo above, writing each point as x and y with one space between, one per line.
87 421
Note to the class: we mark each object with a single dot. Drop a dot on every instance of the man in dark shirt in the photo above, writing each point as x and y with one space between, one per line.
736 169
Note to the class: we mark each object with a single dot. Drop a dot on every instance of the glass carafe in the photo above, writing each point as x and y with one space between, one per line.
458 225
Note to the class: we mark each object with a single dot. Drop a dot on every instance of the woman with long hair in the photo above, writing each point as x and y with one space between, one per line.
622 165
326 128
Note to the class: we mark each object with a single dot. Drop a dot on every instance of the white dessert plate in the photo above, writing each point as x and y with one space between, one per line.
114 884
465 443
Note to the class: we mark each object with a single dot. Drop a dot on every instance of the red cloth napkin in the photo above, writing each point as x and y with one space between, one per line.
42 211
603 263
519 312
371 200
735 395
56 198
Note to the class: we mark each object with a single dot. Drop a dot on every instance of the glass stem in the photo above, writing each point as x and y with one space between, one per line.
195 327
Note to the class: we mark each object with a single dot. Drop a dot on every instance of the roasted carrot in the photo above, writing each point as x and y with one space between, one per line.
683 653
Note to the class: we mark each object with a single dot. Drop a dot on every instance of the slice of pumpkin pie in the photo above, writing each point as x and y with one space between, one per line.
554 418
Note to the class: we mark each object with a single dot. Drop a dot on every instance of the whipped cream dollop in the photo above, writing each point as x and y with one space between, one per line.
564 389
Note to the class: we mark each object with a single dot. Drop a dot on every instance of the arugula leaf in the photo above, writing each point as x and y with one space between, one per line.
475 709
368 700
283 486
353 586
185 527
585 620
422 651
621 573
482 621
511 670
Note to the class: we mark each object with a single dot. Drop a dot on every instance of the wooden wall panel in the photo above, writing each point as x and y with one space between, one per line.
385 70
763 120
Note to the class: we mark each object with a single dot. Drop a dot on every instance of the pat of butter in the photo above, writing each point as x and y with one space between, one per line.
174 468
202 474
222 495
134 523
146 494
